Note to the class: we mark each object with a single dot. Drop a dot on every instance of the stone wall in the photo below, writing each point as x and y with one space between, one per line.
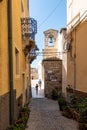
4 109
52 75
34 73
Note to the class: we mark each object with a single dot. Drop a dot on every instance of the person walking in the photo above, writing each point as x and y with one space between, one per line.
36 89
39 82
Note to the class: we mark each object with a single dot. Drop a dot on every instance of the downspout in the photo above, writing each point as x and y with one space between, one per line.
75 64
11 98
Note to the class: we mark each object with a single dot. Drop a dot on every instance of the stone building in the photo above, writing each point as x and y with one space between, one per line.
15 43
77 46
34 73
52 75
52 66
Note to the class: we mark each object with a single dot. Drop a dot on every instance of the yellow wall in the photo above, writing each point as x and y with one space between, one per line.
81 54
76 57
21 89
16 42
79 49
3 49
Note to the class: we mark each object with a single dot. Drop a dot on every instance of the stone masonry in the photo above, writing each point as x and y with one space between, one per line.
52 75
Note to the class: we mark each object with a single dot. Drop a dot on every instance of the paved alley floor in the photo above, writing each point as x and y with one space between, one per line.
45 115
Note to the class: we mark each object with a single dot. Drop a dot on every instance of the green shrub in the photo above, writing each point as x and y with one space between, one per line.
54 94
20 126
25 109
11 127
16 127
83 110
73 99
25 119
62 103
21 122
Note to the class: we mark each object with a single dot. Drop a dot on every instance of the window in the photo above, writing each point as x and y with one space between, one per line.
17 60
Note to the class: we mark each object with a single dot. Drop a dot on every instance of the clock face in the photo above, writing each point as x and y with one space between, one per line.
51 41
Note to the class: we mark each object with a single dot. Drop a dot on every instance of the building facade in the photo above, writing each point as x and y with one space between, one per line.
76 46
34 73
62 54
15 45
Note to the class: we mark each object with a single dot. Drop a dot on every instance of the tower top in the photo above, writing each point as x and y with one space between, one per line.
51 38
51 43
50 30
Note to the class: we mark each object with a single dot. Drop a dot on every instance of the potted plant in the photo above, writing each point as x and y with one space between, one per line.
25 111
54 94
16 127
69 89
62 103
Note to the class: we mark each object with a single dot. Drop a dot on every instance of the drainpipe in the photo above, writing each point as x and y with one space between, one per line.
75 64
11 98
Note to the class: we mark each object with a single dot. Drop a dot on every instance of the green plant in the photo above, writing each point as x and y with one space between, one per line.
25 119
24 109
69 86
62 103
73 99
66 112
54 94
83 110
22 120
27 103
16 127
10 127
20 126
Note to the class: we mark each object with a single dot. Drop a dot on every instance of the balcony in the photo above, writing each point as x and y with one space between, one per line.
29 29
33 54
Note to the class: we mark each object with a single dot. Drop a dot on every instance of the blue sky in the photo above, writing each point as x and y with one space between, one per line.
50 14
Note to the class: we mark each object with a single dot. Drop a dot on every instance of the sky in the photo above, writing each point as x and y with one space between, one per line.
50 14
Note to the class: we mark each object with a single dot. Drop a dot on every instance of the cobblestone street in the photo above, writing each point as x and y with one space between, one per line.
45 115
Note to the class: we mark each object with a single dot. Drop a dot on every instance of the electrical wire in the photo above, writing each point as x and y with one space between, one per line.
50 14
48 53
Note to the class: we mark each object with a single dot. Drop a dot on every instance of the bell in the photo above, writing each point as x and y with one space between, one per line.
50 40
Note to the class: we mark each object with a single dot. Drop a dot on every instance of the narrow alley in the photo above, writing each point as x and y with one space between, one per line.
45 115
43 69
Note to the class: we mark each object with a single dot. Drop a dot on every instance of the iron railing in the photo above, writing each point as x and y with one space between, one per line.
29 28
